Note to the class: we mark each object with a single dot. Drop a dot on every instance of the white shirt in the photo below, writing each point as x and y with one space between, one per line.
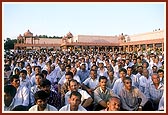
67 108
77 78
118 86
63 79
101 73
22 96
48 108
33 80
161 104
84 94
26 82
91 83
42 65
143 81
52 76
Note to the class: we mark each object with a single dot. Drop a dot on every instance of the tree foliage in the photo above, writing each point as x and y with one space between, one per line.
45 36
9 43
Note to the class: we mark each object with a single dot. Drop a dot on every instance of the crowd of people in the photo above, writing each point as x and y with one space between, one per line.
83 81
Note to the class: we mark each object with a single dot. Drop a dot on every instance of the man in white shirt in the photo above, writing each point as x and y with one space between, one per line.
154 90
74 103
91 83
101 70
118 85
41 102
22 96
24 80
144 80
37 71
86 99
75 76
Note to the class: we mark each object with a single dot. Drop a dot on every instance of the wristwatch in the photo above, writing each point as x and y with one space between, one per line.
140 107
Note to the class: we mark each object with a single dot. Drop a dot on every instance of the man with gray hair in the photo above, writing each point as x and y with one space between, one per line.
154 90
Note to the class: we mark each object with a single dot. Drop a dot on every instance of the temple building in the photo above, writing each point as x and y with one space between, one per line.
129 43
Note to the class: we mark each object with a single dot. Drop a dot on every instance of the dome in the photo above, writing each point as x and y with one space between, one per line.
20 36
69 35
28 34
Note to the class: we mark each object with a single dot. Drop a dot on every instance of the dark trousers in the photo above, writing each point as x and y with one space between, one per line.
98 107
148 106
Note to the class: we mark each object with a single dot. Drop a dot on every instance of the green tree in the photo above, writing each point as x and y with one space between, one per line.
9 43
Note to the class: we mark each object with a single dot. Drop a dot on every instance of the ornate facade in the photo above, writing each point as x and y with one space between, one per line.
145 41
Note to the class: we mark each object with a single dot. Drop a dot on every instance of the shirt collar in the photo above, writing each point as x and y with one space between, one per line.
102 90
68 107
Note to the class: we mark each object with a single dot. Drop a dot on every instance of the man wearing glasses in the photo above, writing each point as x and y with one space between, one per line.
132 98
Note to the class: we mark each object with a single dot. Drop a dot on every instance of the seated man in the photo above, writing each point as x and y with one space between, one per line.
132 98
53 99
64 87
102 94
9 94
113 104
41 102
86 99
74 103
154 90
91 83
22 96
118 84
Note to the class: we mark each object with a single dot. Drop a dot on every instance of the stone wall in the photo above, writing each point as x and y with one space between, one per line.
45 41
98 39
148 36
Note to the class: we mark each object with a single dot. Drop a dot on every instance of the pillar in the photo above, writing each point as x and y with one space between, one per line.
119 49
153 47
128 48
124 48
105 48
112 49
25 40
82 48
146 46
98 48
133 48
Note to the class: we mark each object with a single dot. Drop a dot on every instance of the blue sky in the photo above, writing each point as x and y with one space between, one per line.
57 19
